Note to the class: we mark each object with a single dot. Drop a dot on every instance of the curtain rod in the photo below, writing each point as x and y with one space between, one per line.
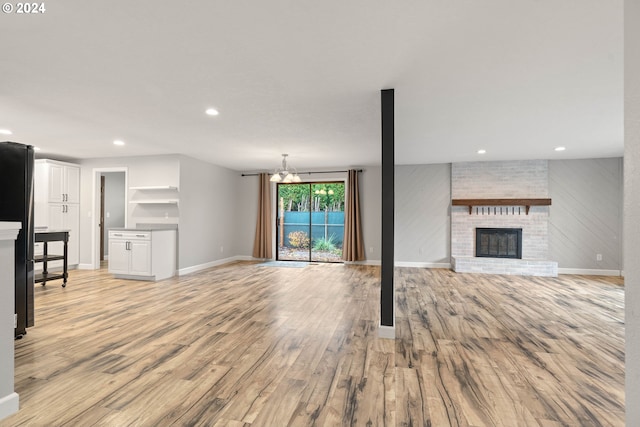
307 173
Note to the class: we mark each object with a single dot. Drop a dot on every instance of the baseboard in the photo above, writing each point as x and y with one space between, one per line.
582 271
387 332
85 267
590 272
365 262
403 264
9 404
423 264
200 267
134 277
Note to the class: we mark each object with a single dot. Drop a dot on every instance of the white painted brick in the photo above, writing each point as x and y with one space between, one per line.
505 266
513 179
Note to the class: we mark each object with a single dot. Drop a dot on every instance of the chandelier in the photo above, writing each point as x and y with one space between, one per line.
284 174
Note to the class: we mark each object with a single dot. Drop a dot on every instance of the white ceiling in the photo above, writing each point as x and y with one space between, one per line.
516 78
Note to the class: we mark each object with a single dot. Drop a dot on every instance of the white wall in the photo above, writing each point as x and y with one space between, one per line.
586 213
209 206
217 208
632 209
114 203
141 171
422 215
9 400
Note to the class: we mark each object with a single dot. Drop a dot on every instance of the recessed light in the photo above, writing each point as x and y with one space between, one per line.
560 148
212 112
5 132
482 151
118 142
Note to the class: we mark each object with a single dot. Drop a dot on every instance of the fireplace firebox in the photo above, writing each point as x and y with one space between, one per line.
499 242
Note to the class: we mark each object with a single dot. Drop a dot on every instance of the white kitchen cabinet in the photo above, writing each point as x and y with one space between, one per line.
119 256
142 254
57 204
131 253
62 179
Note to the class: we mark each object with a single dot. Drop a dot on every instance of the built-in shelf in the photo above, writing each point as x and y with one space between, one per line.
156 187
527 203
155 202
167 195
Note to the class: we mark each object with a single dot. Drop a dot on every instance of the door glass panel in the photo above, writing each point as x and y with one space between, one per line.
310 222
327 221
293 238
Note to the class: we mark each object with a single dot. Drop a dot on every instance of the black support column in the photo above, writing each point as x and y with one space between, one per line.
387 315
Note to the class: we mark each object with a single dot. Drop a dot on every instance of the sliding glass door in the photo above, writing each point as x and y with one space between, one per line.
310 221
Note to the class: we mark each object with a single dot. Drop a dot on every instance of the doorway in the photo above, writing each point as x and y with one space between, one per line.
112 207
310 221
100 222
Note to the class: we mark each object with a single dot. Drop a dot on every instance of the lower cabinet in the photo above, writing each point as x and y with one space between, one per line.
142 255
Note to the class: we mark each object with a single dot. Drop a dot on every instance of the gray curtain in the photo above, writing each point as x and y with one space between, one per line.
353 247
262 241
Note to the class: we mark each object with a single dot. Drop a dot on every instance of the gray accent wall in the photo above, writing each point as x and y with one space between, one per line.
422 213
586 213
585 217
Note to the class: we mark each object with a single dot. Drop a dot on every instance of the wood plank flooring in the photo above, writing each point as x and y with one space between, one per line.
247 345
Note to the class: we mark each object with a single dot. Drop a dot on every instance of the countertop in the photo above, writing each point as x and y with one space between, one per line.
9 230
10 225
160 228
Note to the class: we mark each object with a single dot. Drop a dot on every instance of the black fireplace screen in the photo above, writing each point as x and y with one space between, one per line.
499 242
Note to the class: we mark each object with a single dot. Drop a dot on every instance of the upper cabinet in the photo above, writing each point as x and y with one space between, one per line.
60 180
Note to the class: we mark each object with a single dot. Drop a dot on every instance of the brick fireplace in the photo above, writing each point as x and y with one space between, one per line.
501 180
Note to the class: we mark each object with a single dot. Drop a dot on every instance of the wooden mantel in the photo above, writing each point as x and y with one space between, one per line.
527 203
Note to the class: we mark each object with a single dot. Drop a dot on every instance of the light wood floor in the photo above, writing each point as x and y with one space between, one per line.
247 345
